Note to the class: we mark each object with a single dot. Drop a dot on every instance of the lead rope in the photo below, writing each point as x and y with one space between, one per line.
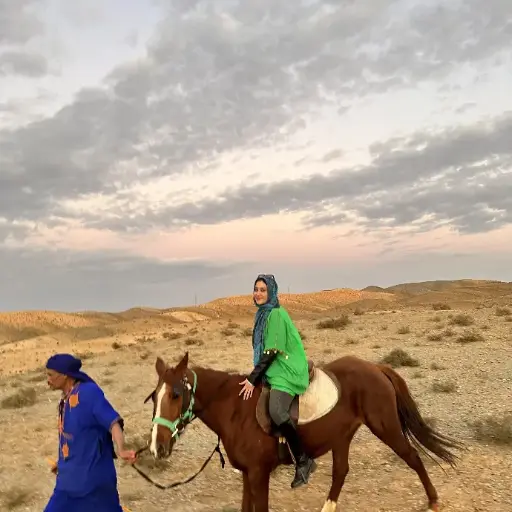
164 487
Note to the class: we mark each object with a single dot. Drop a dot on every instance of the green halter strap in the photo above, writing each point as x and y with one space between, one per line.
185 417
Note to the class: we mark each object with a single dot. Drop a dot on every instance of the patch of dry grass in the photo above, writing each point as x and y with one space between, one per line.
462 319
15 498
398 357
494 429
189 342
470 336
444 387
404 329
334 323
22 398
171 335
441 306
503 312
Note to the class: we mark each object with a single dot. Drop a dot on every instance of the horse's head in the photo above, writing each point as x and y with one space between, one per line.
173 401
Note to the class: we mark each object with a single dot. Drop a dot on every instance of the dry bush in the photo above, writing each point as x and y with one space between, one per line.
15 498
233 325
404 329
115 345
441 306
444 387
247 331
171 335
194 341
470 336
503 312
448 333
462 320
494 429
398 357
22 398
227 331
435 336
358 312
334 323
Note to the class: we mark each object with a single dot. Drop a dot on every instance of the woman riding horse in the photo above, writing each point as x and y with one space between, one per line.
280 362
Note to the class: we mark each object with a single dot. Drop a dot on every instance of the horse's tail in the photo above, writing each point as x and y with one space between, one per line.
414 427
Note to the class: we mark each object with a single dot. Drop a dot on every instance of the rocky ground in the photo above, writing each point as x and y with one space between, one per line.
459 369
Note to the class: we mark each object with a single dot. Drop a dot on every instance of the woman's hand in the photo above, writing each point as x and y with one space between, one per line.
247 389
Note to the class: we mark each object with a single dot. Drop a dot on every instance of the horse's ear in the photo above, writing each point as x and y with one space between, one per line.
150 396
183 364
160 366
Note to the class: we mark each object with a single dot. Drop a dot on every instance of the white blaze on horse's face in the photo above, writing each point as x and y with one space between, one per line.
154 433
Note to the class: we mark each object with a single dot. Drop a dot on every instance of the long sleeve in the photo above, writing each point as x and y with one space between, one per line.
276 335
260 369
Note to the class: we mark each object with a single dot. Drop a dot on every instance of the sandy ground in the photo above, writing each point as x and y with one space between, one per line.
455 384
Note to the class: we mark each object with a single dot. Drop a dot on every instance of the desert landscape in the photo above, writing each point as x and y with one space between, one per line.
451 340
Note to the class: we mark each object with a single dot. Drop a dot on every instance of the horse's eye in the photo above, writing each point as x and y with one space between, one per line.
176 392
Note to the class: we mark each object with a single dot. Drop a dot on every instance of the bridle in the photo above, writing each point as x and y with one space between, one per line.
185 418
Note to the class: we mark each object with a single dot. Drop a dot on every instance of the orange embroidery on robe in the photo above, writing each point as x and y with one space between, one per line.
73 400
65 450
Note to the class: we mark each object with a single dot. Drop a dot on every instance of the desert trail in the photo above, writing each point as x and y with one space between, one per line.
450 340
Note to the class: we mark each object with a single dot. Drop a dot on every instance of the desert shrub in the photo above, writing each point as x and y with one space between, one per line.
503 312
444 387
15 498
404 329
22 398
462 320
247 331
470 336
227 331
334 323
194 341
494 429
435 336
398 357
171 335
441 306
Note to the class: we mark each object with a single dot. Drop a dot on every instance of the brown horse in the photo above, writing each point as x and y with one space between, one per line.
371 394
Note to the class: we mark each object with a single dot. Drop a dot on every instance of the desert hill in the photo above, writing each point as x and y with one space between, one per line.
143 321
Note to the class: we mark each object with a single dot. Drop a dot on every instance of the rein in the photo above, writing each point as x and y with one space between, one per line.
184 419
165 487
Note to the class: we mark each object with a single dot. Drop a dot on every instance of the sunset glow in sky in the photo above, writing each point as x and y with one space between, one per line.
156 152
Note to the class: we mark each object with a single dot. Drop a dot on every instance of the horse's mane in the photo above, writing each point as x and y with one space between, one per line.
226 381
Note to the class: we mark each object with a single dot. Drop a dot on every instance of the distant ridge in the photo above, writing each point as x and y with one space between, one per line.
89 325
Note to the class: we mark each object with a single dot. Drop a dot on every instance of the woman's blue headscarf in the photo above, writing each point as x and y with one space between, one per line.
264 310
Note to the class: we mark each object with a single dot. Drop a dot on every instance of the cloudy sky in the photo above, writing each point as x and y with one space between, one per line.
156 151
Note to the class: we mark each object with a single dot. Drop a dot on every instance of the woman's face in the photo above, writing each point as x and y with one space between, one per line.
260 293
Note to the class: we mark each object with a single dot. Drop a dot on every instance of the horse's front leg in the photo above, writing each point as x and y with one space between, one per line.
247 505
259 481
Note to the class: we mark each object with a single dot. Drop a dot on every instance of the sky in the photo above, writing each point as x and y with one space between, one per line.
159 153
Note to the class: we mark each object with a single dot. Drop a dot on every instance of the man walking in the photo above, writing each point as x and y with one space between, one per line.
88 427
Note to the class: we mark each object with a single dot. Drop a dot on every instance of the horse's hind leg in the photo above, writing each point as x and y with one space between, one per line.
340 467
388 429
